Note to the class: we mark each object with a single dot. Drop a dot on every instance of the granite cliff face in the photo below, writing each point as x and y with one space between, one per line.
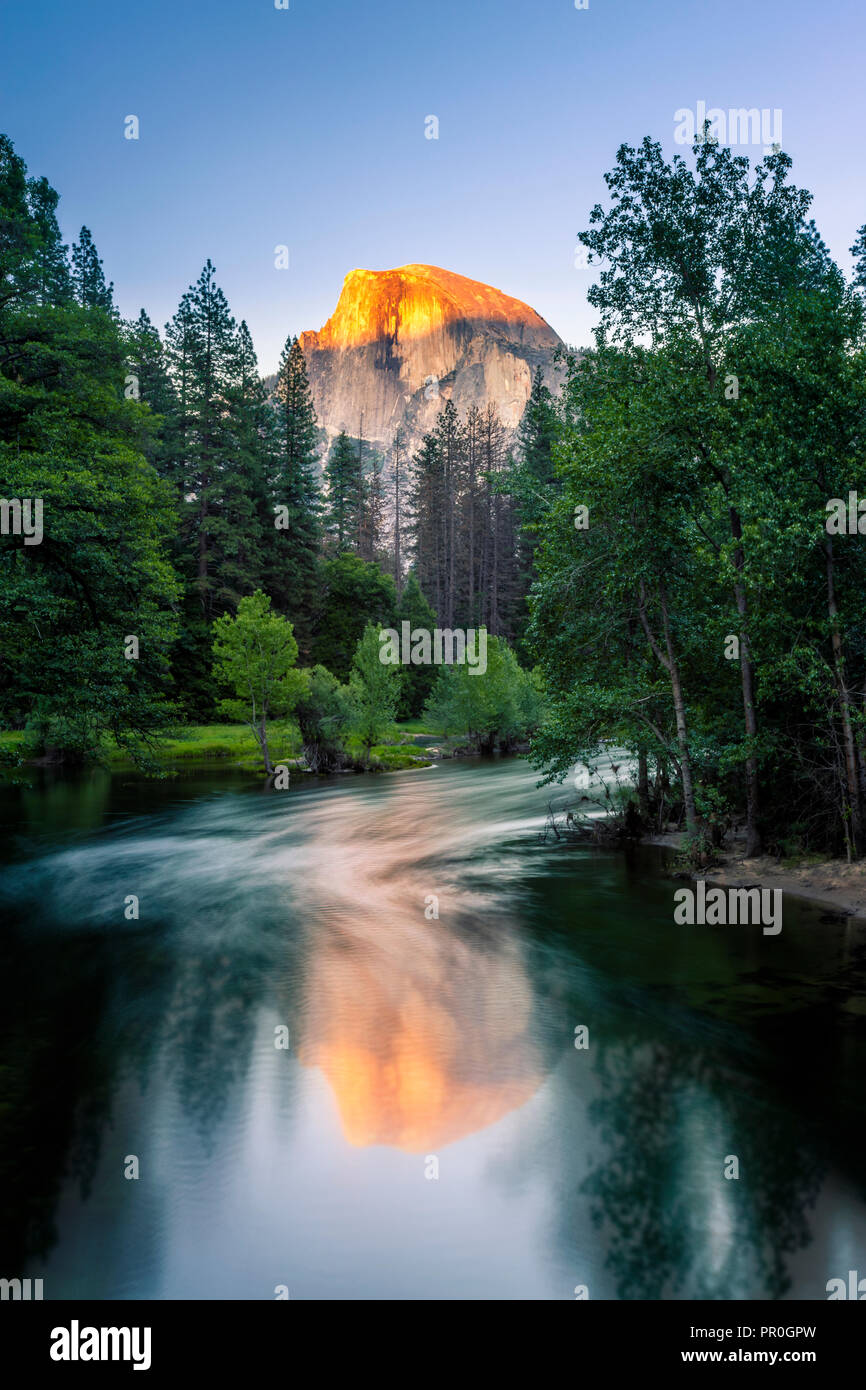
402 342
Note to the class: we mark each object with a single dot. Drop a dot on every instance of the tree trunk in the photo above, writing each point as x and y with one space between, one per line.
263 743
494 582
856 834
451 487
747 675
398 567
472 445
861 751
682 727
202 547
643 785
669 662
660 792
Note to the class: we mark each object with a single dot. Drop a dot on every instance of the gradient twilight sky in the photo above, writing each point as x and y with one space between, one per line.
305 127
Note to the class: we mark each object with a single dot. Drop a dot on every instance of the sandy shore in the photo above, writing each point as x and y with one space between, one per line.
833 882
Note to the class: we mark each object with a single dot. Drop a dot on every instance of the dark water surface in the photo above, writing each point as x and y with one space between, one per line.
414 1043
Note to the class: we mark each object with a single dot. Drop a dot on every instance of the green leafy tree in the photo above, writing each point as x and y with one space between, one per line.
354 592
704 462
374 691
689 255
501 705
254 655
323 713
100 575
620 605
799 429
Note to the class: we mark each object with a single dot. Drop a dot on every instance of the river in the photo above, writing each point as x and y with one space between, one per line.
337 1045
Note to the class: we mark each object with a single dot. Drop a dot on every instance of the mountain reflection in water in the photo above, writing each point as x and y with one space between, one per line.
424 1033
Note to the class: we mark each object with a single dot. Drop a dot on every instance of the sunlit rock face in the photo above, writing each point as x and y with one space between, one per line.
402 342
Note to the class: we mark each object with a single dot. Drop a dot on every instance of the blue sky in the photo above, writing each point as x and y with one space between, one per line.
306 127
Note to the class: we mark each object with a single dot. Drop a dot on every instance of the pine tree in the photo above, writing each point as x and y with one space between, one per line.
414 609
366 539
147 381
535 439
200 349
147 362
345 495
88 278
373 508
531 484
221 441
397 474
499 582
19 235
462 524
451 444
55 286
471 518
294 568
243 523
427 510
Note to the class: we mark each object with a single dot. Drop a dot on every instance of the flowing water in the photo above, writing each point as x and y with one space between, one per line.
431 1130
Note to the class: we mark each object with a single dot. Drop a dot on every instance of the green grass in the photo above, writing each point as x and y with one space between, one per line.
386 757
233 743
414 726
236 745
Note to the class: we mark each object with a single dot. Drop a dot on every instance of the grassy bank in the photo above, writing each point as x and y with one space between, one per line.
232 743
235 745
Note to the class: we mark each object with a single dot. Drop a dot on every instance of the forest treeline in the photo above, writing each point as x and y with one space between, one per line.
174 482
704 611
660 543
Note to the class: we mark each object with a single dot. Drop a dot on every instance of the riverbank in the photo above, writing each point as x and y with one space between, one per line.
235 745
832 882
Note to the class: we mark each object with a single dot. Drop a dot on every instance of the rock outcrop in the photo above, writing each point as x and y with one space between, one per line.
402 342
